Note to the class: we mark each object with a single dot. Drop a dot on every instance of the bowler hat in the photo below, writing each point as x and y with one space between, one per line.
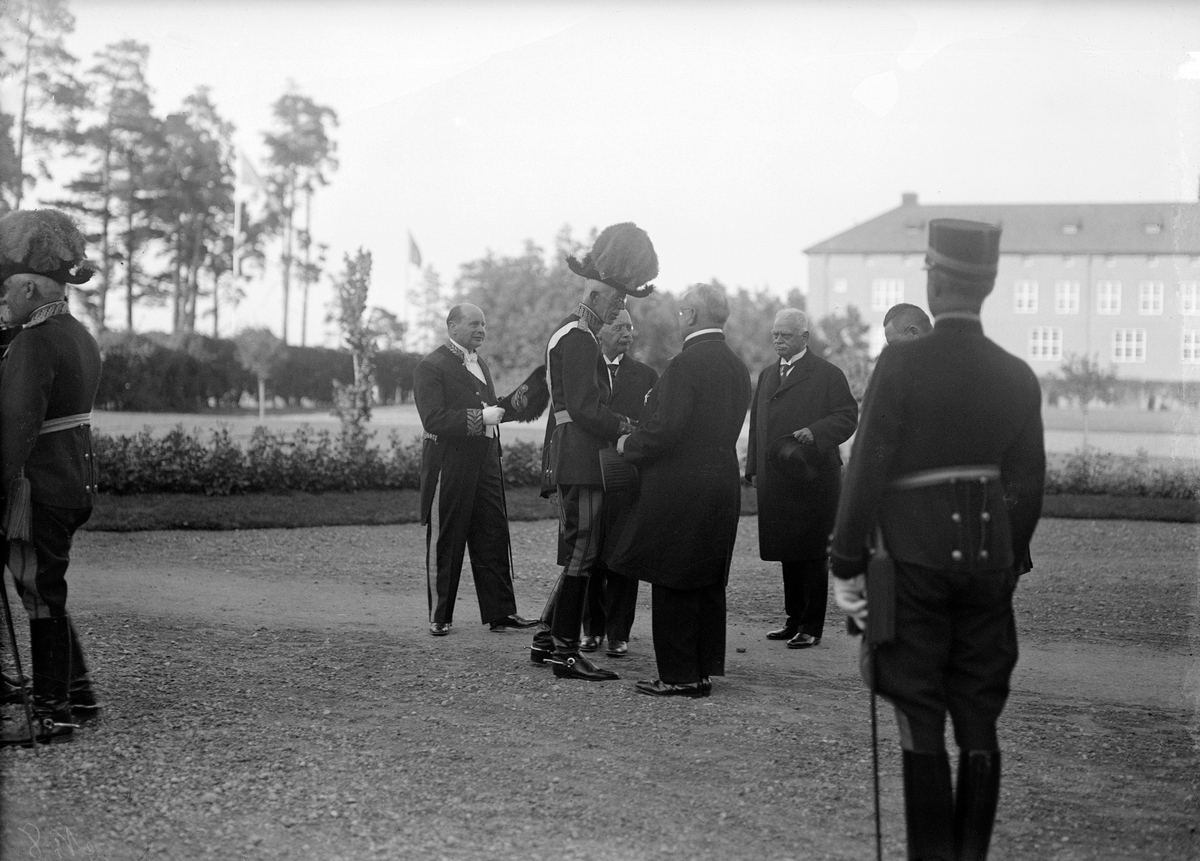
966 249
794 459
622 257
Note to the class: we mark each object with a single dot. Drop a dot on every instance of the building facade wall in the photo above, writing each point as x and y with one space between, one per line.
1046 306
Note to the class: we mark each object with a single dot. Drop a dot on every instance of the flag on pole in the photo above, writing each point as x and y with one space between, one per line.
414 253
247 175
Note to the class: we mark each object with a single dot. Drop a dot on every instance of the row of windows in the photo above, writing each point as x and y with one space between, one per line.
1127 345
1150 297
886 292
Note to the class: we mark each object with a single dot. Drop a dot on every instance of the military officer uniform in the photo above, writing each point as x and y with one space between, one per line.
949 461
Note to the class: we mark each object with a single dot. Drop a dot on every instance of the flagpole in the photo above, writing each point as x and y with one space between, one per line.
404 302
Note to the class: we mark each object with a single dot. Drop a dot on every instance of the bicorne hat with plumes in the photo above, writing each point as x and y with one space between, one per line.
43 242
622 257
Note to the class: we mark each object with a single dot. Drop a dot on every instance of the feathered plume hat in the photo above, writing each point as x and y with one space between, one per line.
622 257
43 242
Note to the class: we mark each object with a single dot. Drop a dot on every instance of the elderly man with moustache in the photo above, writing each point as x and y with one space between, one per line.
462 487
612 598
621 263
682 531
803 398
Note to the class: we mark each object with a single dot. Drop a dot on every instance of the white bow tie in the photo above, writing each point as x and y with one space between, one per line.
471 358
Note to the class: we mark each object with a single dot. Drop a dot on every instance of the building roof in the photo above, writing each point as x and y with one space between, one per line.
1033 228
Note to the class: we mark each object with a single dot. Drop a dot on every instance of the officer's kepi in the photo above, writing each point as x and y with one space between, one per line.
968 250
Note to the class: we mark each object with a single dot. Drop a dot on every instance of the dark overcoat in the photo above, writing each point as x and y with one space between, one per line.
951 399
684 523
629 392
450 401
796 517
579 389
51 370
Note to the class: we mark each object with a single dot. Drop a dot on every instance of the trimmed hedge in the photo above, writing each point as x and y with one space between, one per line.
317 461
306 460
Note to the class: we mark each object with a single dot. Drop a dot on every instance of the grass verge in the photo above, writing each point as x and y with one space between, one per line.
157 511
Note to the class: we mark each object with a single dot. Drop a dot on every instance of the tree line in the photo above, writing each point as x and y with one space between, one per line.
155 193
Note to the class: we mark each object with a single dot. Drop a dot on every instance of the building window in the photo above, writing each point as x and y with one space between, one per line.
1066 297
1189 298
840 285
1045 343
1150 297
1025 296
1191 347
1129 345
886 292
876 340
1108 297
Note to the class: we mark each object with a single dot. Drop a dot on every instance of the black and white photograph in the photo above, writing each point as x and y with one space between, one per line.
798 401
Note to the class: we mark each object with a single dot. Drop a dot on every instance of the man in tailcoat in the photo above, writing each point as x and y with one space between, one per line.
949 461
681 534
804 397
50 375
621 263
462 487
611 597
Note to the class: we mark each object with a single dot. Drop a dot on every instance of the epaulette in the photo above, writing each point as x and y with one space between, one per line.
582 324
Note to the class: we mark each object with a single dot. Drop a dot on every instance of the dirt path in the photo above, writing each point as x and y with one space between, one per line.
274 694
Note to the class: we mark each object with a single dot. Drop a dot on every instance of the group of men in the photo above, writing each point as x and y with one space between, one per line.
945 478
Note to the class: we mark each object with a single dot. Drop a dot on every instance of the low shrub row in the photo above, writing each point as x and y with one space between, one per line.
306 460
318 461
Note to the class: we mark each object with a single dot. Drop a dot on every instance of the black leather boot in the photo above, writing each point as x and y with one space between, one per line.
542 649
50 648
975 803
568 662
928 806
82 696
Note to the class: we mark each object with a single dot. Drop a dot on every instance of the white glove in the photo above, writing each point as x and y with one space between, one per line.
851 596
621 445
493 415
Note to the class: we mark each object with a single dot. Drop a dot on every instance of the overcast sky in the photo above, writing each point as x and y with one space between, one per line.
736 134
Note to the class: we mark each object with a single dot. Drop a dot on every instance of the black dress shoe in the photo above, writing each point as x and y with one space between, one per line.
659 688
589 644
439 629
569 665
803 641
784 633
617 649
513 621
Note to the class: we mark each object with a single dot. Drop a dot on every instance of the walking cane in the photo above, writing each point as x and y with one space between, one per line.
512 568
880 627
12 642
875 754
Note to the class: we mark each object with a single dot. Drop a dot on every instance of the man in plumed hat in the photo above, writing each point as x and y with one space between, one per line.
681 534
612 598
802 401
462 488
621 263
949 461
48 381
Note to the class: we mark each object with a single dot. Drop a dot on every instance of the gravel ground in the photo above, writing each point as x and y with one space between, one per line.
274 694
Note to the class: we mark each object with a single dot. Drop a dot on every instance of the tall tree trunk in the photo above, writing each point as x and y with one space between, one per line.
262 397
307 274
129 248
177 276
290 197
194 274
24 103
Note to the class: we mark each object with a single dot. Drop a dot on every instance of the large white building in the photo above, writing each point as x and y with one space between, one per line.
1117 281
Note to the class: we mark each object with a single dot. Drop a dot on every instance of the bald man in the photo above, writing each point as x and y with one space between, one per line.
905 322
461 483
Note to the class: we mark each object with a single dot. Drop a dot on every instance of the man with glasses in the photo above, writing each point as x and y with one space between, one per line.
803 398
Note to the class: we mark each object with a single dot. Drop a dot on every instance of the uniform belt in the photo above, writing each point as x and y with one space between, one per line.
562 417
947 475
63 423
